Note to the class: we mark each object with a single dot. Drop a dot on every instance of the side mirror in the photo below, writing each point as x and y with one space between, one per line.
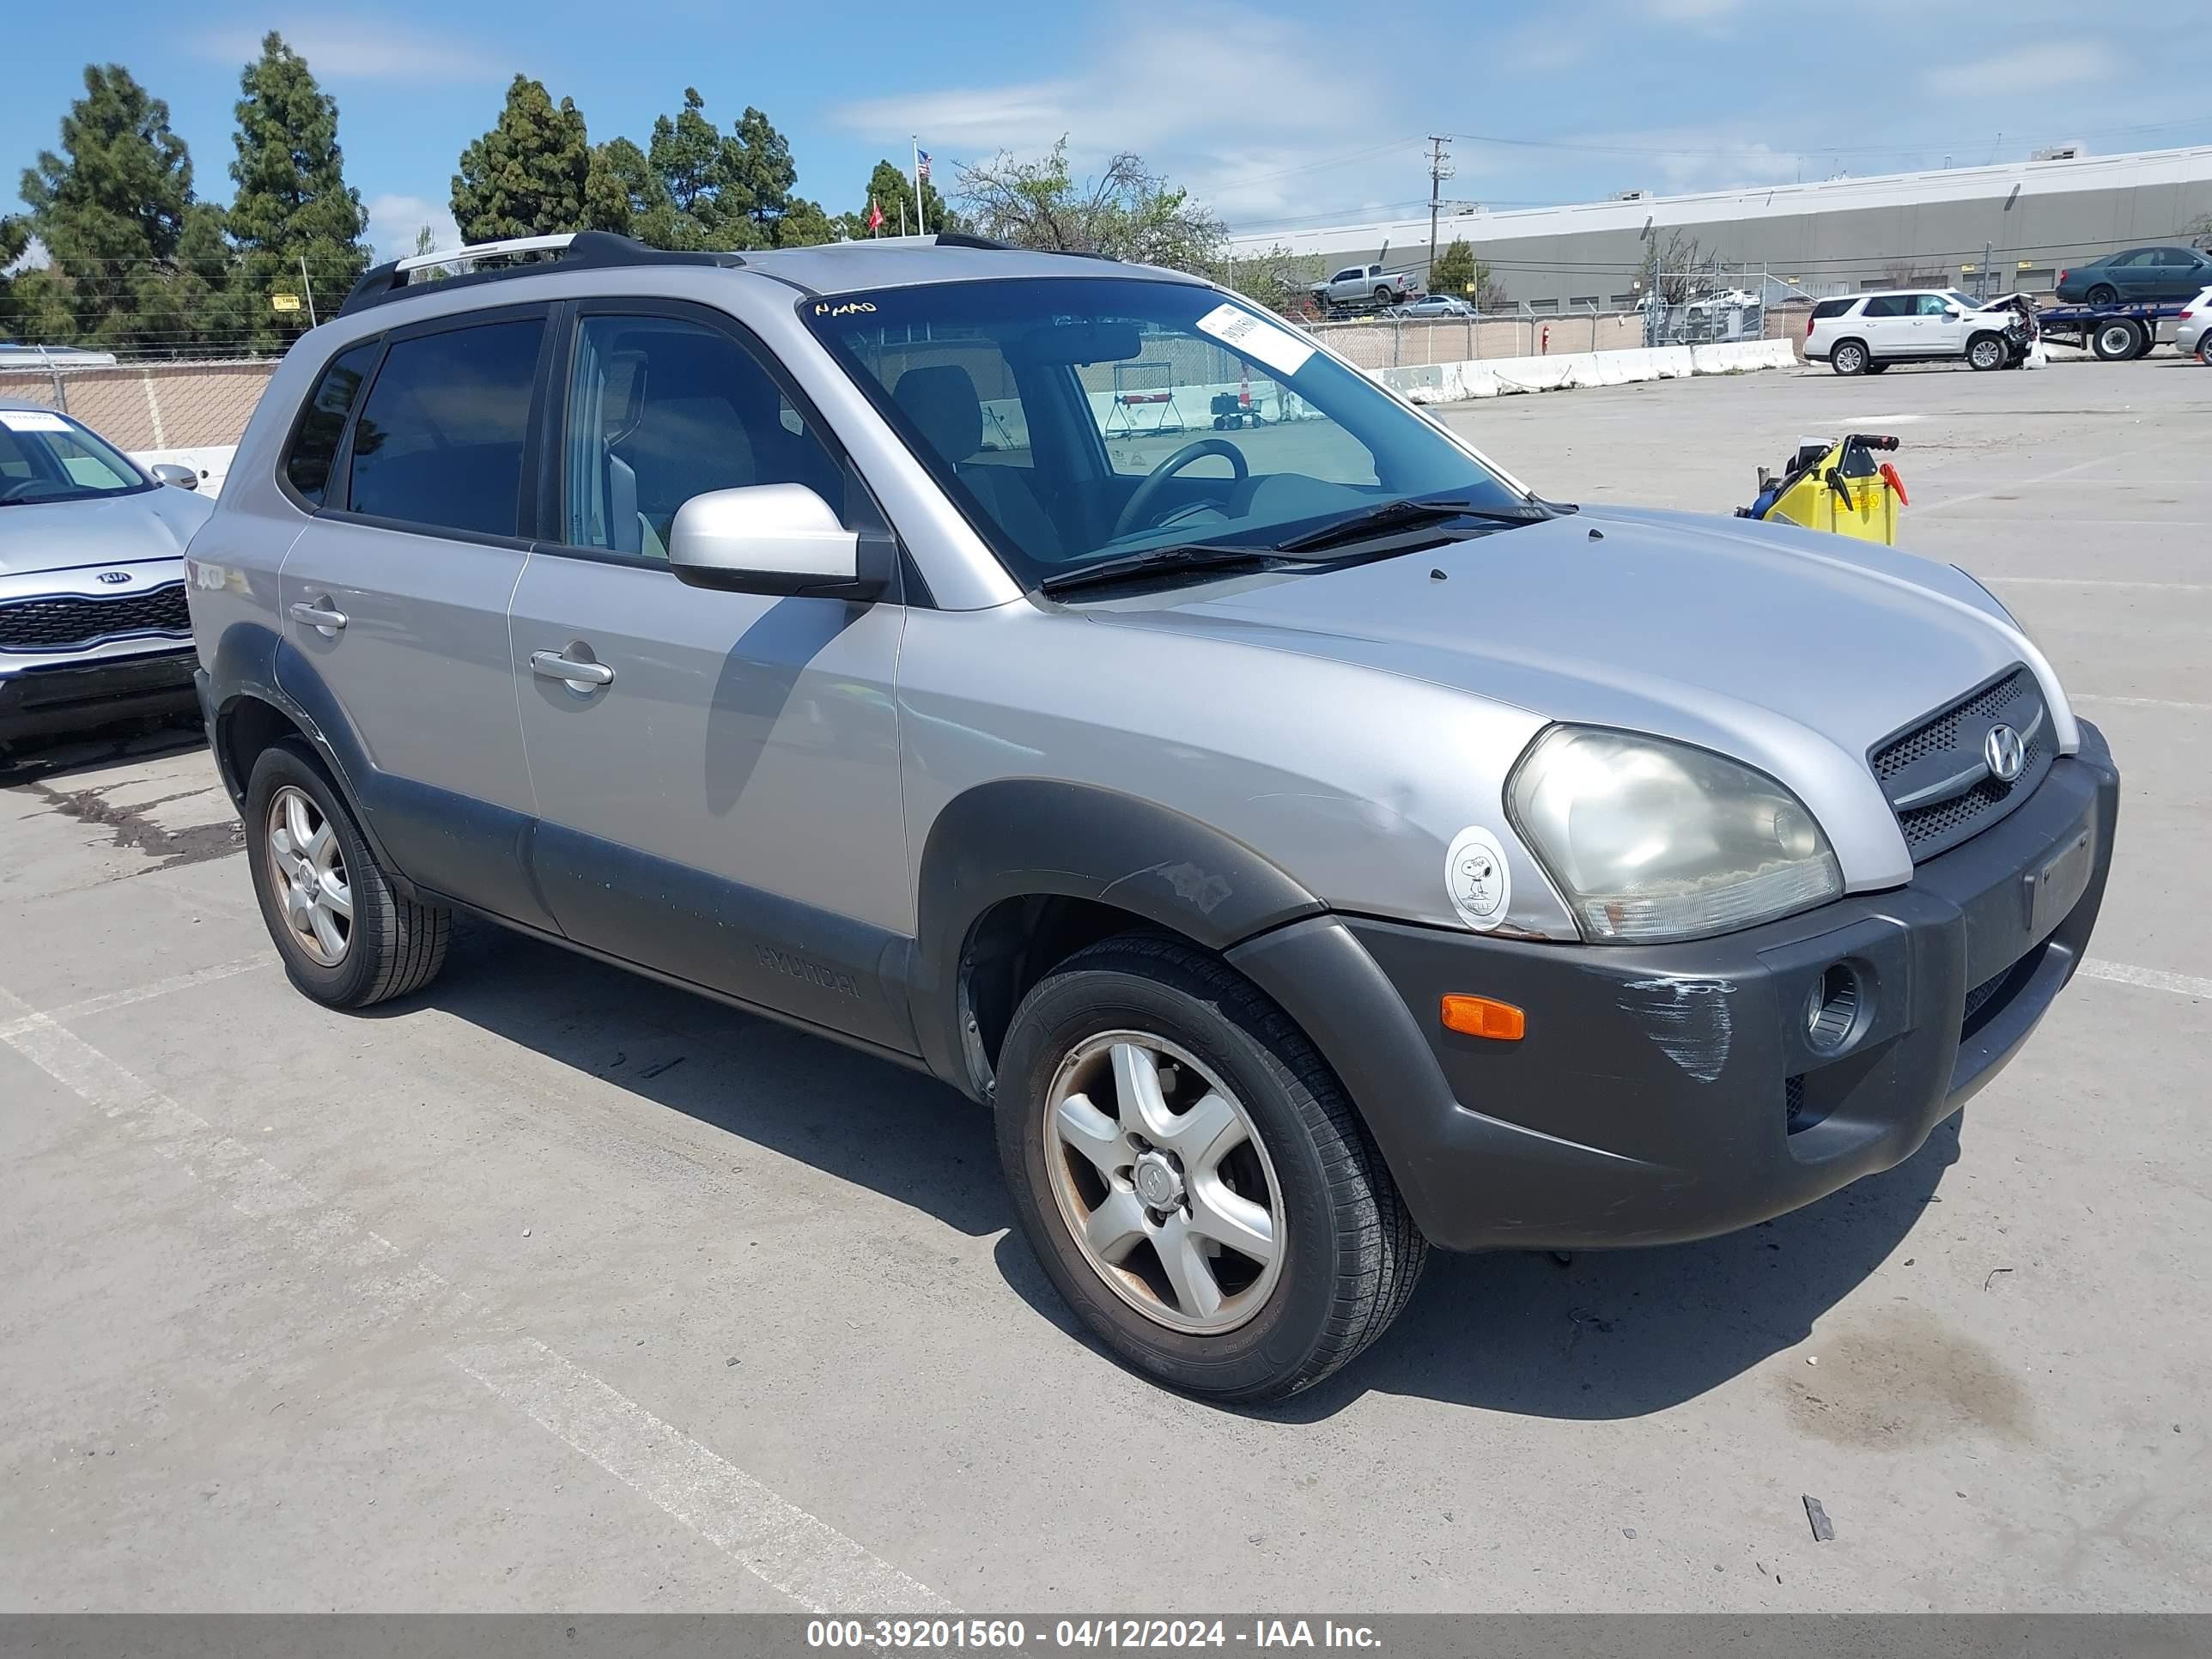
769 538
169 472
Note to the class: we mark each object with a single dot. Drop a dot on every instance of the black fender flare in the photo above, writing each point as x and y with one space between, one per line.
253 663
1019 837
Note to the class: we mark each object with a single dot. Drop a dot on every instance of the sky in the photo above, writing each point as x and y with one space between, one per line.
1288 113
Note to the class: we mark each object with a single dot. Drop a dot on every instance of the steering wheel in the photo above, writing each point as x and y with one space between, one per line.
1146 493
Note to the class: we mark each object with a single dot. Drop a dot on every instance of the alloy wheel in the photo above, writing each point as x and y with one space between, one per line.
307 872
1159 1174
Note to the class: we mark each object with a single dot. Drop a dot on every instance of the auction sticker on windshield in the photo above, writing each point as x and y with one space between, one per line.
32 420
1279 348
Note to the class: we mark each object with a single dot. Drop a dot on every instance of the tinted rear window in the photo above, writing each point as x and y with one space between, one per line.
315 445
440 440
1835 307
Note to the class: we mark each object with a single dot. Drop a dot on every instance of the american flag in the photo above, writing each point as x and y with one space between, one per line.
921 164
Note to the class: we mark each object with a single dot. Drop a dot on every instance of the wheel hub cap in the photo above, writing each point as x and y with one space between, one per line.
1159 1175
308 866
1158 1183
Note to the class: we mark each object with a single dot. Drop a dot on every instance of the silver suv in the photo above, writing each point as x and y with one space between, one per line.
1312 845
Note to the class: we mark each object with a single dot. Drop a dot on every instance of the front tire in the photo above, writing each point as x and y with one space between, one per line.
1849 357
347 939
1985 352
1193 1177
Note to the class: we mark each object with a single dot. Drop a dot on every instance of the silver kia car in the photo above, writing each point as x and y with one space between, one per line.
93 621
1311 843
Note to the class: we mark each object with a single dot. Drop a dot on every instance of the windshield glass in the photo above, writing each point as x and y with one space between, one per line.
1079 419
45 457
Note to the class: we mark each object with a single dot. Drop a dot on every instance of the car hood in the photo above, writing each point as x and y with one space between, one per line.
1795 650
147 524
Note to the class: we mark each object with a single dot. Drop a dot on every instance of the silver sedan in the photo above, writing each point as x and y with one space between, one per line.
93 621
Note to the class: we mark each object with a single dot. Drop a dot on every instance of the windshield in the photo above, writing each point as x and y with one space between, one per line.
1080 419
45 457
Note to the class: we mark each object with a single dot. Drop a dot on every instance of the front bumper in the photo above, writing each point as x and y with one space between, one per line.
1671 1092
75 696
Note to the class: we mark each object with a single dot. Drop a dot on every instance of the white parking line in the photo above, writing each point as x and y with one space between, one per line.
2151 979
147 992
809 1560
2100 581
770 1537
2140 702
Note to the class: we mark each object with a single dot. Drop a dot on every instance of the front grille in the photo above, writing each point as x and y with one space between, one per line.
1934 774
1979 996
67 623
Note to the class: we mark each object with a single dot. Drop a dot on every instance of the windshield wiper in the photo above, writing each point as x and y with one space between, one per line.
1406 516
1160 561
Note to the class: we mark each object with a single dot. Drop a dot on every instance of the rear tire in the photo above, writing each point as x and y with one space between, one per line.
1985 352
2103 294
1340 1254
2204 348
2116 341
347 939
1850 357
1382 296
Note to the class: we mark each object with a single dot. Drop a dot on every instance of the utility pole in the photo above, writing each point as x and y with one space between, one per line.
1439 170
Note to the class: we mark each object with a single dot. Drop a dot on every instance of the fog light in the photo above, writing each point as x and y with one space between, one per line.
1832 1007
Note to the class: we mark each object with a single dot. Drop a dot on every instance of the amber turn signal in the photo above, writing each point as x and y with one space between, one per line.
1484 1016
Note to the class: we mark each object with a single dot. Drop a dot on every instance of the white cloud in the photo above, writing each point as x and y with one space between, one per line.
2024 69
1221 99
346 52
394 222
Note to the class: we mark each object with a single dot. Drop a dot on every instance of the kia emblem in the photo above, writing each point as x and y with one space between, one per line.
113 576
2006 754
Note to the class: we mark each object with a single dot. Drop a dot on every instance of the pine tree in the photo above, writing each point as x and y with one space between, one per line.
723 190
293 200
110 209
888 187
531 174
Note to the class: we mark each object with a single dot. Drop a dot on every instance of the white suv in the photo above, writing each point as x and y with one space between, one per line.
1865 333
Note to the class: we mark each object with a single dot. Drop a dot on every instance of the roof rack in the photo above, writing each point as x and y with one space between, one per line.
961 238
578 250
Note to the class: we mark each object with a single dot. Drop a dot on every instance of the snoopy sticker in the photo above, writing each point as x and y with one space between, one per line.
1477 878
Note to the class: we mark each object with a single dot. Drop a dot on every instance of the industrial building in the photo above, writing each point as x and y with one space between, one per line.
2002 229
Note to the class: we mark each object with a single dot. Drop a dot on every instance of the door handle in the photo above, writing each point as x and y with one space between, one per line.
553 666
319 615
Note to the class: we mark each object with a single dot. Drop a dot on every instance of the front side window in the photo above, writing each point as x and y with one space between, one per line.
1934 305
322 423
658 411
1079 419
46 457
438 442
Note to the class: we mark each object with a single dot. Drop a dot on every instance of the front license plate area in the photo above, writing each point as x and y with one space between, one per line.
2053 890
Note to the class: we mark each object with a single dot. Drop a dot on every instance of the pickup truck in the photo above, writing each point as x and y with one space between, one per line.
1357 285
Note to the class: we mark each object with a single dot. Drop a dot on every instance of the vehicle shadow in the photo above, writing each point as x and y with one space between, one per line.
859 1119
1610 1335
40 759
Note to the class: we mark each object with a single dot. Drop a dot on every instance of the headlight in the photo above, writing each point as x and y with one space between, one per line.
1650 840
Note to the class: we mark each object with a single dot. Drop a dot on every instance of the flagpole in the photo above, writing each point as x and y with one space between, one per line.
921 226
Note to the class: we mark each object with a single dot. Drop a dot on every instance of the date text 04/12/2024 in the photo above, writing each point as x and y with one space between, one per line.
1012 1635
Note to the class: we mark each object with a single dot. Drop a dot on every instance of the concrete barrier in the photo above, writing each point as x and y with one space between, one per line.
1451 383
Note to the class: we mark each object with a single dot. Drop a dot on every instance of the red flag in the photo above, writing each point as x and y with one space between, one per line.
875 215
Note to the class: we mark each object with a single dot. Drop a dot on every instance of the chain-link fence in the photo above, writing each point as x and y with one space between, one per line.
154 404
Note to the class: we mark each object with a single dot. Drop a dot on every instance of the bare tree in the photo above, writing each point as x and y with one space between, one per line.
1679 267
1127 211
